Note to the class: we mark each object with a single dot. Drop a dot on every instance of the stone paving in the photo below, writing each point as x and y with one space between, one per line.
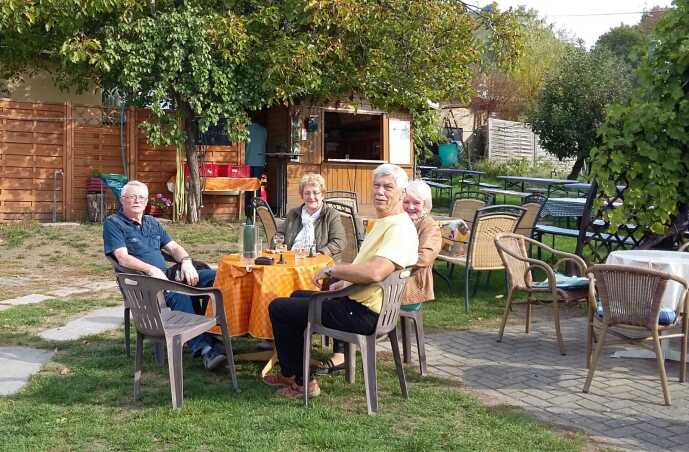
18 364
94 322
624 408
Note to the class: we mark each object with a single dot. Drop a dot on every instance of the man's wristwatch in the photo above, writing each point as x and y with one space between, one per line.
187 258
328 270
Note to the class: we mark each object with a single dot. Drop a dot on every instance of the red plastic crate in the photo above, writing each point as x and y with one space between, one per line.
224 169
206 170
239 171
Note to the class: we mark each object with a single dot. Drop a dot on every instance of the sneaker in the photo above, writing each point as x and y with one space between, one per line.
295 391
212 359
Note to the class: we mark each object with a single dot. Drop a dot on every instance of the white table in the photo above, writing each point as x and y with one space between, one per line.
674 262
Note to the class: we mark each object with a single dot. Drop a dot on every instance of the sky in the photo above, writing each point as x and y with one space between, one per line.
585 19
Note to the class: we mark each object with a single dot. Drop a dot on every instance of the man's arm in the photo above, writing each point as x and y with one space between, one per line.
374 270
126 260
175 250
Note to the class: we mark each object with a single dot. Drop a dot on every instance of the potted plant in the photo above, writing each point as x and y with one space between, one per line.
158 205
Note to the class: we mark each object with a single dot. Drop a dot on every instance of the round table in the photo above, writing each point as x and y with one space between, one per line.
248 290
674 262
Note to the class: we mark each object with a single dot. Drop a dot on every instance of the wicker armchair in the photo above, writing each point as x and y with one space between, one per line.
558 288
481 253
631 297
344 197
265 215
354 229
467 203
533 205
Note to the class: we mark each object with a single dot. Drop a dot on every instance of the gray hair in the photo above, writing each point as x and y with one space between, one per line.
388 169
420 190
132 184
311 179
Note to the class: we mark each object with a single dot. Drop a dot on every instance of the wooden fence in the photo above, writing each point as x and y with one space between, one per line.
49 151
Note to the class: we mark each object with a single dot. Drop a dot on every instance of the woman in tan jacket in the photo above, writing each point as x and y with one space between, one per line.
418 204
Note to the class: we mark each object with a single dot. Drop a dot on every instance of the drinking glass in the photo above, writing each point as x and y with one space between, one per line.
279 242
300 252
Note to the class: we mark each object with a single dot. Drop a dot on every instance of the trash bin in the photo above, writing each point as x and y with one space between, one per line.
448 154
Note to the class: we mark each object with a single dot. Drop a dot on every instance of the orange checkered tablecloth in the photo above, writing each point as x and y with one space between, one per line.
246 295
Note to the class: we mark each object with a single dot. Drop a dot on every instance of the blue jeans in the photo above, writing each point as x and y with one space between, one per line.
183 303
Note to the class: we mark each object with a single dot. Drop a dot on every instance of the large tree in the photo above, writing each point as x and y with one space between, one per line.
646 143
574 101
193 62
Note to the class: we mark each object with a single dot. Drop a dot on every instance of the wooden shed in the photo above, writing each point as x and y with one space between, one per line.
344 141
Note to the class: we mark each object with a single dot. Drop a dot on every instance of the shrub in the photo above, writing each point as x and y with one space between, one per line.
519 167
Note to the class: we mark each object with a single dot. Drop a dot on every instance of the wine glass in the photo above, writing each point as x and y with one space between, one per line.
278 241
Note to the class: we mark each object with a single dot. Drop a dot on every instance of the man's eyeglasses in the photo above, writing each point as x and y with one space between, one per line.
312 193
137 197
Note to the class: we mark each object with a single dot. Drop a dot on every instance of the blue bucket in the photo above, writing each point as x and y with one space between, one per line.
448 154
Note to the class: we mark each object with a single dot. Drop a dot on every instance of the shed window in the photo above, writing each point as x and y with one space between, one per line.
349 136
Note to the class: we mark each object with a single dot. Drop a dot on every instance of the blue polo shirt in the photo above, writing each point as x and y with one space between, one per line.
142 241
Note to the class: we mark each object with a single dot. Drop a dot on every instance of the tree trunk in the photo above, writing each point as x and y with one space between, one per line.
194 193
576 169
677 227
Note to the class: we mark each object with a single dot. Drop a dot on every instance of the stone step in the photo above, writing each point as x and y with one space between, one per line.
94 322
18 364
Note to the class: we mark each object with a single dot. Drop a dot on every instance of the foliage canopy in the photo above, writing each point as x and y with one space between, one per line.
646 143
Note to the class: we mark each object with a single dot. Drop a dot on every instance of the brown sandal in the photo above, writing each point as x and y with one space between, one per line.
295 391
278 380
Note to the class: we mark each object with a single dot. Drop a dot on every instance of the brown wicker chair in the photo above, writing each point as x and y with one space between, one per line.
344 197
481 253
265 215
393 288
153 320
513 250
353 227
467 203
631 297
533 205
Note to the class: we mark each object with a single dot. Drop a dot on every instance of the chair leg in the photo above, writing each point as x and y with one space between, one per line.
127 331
508 306
307 362
683 358
229 354
466 288
529 306
444 278
421 343
368 358
174 358
596 356
660 359
398 363
350 363
558 331
589 339
138 364
405 324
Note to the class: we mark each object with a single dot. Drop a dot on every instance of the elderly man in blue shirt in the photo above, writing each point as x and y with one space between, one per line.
136 241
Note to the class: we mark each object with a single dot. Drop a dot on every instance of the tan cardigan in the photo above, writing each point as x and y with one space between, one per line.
420 286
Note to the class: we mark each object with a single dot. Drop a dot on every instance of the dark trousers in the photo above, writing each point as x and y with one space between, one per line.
183 303
255 171
290 315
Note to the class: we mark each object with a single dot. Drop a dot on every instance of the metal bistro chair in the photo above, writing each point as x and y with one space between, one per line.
265 215
155 321
557 288
631 298
344 197
467 203
481 252
393 288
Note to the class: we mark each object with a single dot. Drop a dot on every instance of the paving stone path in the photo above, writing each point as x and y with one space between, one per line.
94 322
624 408
18 364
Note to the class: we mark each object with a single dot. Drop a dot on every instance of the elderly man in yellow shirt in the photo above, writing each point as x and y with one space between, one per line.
391 245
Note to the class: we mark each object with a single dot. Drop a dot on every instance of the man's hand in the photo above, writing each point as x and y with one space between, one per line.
339 285
156 273
318 277
189 273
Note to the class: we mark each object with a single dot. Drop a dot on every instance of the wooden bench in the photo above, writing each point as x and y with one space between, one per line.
500 191
440 187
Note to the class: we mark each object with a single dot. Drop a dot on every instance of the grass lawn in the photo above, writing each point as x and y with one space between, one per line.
82 398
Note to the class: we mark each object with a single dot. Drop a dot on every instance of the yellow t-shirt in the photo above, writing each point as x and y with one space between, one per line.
393 238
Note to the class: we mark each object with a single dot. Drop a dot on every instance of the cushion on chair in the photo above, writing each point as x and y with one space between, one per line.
666 317
411 307
563 281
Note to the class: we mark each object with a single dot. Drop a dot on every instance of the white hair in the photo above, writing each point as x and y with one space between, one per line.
420 190
132 184
397 173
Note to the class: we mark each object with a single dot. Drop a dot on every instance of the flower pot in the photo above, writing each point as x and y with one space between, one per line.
156 211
